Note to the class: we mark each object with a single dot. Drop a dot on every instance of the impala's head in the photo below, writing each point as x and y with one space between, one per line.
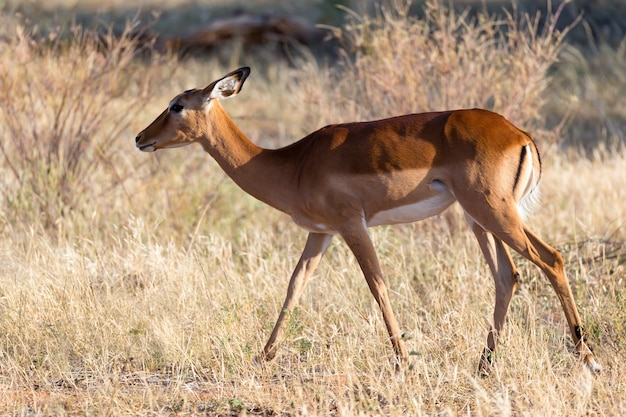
181 123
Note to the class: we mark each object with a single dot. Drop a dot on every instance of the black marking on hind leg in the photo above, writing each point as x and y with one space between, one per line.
578 331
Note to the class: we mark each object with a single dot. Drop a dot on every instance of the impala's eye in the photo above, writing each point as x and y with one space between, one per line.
176 108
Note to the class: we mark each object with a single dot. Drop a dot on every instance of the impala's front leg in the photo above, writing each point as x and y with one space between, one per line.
360 244
316 245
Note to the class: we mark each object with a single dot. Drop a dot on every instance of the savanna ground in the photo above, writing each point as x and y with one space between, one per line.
145 284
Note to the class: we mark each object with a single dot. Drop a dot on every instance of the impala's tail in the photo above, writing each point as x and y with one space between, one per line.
526 185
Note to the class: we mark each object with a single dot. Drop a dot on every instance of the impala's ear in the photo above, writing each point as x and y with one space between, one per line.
228 86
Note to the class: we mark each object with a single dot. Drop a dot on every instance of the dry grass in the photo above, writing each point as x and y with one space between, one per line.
134 284
443 60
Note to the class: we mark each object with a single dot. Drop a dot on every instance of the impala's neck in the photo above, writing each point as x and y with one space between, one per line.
256 170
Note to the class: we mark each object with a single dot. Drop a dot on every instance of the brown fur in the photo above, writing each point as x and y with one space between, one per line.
342 178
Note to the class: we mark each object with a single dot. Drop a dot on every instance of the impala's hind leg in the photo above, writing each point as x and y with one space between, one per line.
502 219
506 281
551 263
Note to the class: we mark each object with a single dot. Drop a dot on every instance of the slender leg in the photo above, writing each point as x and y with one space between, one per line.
360 244
551 263
506 280
502 219
316 245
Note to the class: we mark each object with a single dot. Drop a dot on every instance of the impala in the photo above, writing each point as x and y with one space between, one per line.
345 178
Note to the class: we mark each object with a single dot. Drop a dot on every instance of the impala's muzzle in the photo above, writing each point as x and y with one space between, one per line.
144 147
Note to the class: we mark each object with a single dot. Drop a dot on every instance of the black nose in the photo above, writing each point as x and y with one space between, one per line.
137 139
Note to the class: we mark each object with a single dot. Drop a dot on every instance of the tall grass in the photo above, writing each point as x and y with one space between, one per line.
135 284
67 103
397 63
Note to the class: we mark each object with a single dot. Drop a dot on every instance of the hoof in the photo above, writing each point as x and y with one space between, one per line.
485 364
592 365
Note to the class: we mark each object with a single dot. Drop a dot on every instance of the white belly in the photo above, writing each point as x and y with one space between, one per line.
414 212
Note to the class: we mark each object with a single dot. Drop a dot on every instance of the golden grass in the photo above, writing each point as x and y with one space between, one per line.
146 284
